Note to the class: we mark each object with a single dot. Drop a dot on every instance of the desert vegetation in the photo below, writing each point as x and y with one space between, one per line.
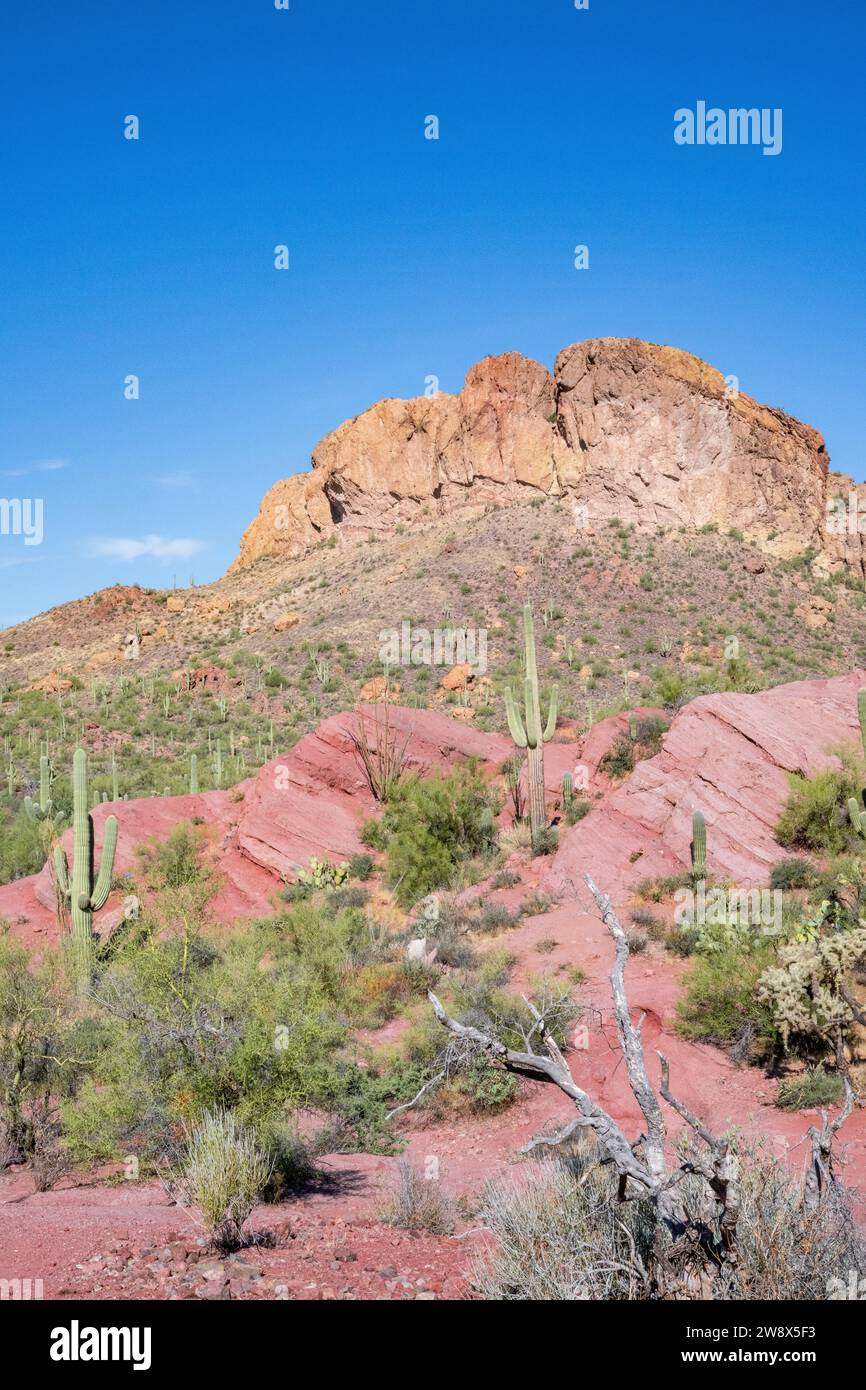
380 998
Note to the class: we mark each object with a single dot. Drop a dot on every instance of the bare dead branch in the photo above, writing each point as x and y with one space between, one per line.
820 1175
554 1069
630 1038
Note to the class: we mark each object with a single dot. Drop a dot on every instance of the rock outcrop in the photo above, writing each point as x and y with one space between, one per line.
727 755
623 428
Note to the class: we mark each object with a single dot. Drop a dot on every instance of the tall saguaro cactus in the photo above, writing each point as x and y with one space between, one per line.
83 895
527 730
41 809
193 774
699 844
856 811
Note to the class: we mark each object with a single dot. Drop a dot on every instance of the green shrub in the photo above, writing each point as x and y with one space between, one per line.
361 867
431 826
719 1004
224 1174
618 761
813 1088
669 686
792 873
21 847
175 861
814 816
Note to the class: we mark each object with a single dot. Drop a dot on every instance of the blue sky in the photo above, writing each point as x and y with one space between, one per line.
409 257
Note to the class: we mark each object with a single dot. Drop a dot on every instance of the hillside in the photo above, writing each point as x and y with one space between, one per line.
630 616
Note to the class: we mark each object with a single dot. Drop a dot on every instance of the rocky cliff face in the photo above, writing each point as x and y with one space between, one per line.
622 428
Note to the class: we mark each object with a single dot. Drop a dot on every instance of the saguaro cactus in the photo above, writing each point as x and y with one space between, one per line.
193 774
41 809
83 895
527 731
699 844
856 811
567 790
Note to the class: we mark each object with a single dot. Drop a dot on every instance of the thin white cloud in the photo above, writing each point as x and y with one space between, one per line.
174 482
40 466
23 560
152 547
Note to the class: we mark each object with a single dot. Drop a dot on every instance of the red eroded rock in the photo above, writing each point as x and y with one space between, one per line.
311 802
728 756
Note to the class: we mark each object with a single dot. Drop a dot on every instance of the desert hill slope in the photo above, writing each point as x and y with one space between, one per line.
662 526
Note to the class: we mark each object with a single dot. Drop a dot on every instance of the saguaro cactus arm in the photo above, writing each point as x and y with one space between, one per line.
99 896
550 728
515 723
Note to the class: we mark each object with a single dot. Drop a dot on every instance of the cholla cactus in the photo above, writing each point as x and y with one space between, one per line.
83 895
806 990
527 730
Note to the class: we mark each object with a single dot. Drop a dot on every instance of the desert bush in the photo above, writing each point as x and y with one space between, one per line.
294 1157
495 917
517 836
43 1056
719 1003
361 867
536 903
669 686
792 873
656 890
482 1088
418 1204
813 1087
546 841
430 826
22 851
576 810
175 861
561 1235
254 1027
651 924
619 759
814 816
505 878
224 1174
